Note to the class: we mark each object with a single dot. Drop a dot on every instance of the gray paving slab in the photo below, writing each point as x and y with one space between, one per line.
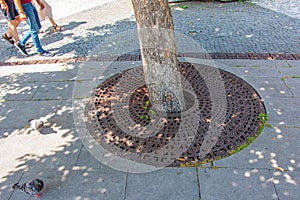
6 186
34 72
65 73
254 156
287 184
169 183
18 91
90 70
256 71
282 111
82 182
293 85
14 76
86 158
5 132
241 68
37 156
84 89
54 90
255 64
275 147
15 114
231 184
268 87
291 70
294 63
66 115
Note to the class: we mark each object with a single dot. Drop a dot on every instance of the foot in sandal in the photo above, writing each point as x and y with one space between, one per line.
56 28
9 39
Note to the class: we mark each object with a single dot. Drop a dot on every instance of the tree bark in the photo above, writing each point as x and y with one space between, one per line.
159 54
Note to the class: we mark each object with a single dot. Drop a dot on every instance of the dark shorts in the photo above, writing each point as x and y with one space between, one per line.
12 12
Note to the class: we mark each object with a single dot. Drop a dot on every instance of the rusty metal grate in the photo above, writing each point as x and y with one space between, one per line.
119 131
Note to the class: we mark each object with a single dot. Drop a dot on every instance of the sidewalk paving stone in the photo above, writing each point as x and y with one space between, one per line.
228 184
17 91
287 184
275 147
30 72
36 156
268 87
282 111
294 63
255 64
65 73
84 182
54 90
86 158
80 182
168 184
5 132
15 114
292 84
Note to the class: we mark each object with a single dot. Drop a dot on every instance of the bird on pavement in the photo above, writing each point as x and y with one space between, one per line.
36 124
33 187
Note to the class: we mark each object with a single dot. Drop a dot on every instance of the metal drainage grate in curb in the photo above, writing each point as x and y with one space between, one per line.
119 117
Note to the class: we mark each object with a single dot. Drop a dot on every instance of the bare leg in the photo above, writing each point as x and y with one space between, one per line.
12 28
18 20
55 26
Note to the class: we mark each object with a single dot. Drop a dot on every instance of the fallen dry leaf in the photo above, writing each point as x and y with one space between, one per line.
139 149
181 159
279 169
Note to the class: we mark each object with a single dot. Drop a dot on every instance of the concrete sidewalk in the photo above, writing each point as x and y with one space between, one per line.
59 158
267 169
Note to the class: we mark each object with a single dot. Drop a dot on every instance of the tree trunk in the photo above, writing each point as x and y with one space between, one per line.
159 54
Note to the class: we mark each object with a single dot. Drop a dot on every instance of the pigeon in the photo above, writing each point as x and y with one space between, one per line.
33 187
36 124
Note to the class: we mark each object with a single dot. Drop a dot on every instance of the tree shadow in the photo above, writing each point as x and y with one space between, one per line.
83 45
59 159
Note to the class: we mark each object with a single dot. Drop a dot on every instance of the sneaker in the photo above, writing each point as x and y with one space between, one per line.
21 48
46 54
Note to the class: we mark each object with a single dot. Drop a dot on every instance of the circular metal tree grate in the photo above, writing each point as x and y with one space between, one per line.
119 116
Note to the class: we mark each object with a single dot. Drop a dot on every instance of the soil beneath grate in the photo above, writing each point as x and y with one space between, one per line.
222 114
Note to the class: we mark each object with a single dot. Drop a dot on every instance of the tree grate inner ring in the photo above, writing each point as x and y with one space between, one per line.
119 115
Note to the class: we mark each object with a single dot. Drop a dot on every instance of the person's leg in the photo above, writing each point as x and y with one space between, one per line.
13 21
25 38
12 29
55 26
18 20
8 36
34 26
52 22
48 13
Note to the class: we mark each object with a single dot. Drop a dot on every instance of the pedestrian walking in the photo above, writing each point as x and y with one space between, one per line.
13 20
28 12
46 13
